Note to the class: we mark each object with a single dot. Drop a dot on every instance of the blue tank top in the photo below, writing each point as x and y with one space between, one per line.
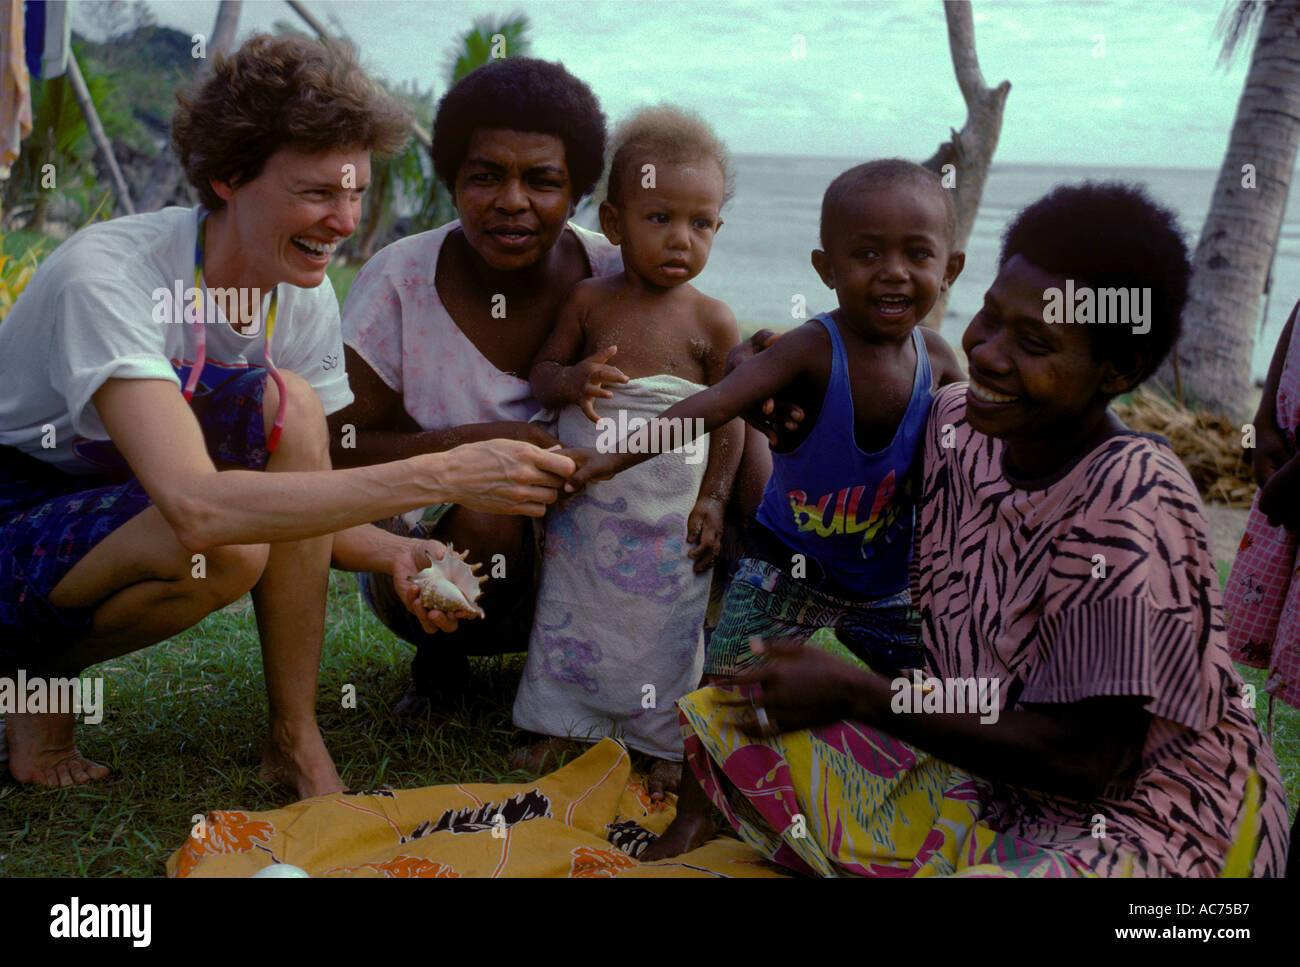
851 511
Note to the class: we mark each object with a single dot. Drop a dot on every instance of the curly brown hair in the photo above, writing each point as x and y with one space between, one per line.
276 92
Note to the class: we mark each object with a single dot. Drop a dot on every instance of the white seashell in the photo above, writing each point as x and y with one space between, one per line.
451 585
281 871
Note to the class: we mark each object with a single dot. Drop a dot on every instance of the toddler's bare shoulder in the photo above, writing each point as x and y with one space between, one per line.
806 348
812 334
943 358
594 288
936 344
716 319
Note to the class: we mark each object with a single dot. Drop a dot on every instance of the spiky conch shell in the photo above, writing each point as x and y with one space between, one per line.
451 585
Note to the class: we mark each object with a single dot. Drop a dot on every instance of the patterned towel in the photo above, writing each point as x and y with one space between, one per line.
617 634
582 821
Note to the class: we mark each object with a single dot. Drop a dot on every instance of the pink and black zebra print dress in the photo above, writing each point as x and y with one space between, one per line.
1097 582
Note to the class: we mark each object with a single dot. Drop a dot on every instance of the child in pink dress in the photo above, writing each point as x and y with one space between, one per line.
1262 597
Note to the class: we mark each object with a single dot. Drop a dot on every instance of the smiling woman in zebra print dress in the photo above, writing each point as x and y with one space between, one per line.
1062 557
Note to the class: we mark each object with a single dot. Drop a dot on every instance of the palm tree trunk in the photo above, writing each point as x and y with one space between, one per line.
103 147
1240 234
970 152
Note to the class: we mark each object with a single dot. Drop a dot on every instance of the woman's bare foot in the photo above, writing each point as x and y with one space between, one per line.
665 777
690 830
542 756
300 761
41 750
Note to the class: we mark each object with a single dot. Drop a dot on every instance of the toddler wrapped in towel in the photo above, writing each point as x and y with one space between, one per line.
617 636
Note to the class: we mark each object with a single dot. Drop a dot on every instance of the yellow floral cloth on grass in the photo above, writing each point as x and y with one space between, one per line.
567 824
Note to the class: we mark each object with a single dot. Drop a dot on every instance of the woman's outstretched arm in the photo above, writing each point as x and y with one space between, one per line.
795 354
155 431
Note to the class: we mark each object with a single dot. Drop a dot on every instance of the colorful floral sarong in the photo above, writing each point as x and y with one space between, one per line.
849 800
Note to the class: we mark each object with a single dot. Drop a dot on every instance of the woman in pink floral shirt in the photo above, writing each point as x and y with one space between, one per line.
440 329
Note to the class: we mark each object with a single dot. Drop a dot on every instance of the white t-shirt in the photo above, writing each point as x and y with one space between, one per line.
93 312
396 322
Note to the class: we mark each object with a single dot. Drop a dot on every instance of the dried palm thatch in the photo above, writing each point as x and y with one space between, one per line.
1209 445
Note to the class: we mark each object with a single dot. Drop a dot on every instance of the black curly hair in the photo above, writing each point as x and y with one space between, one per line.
887 173
1110 235
522 94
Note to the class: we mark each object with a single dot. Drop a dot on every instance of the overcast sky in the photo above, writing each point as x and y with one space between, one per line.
1118 82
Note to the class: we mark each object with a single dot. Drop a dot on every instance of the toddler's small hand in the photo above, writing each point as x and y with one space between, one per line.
704 528
1271 452
591 464
594 374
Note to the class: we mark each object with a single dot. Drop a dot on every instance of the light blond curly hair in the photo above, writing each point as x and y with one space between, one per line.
669 134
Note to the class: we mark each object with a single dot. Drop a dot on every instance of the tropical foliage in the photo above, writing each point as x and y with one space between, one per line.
69 190
404 193
16 271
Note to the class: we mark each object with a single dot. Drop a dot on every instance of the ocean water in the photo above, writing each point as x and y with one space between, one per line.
760 259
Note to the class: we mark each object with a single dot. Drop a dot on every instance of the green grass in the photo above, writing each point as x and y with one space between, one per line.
341 276
1286 734
183 727
184 722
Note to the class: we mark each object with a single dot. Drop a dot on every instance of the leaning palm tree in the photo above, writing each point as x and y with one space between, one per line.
167 173
1211 364
964 161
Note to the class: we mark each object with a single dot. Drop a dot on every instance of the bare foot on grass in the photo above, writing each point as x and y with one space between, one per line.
665 777
300 762
42 751
542 756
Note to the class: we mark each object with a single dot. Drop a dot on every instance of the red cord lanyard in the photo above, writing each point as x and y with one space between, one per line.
200 342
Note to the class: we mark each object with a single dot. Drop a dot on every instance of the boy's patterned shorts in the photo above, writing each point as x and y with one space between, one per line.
763 601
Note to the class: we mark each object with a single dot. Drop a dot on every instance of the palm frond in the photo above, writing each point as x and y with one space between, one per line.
1237 22
474 49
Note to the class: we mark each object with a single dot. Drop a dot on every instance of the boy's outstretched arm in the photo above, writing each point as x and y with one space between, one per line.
557 384
726 447
794 354
773 418
943 361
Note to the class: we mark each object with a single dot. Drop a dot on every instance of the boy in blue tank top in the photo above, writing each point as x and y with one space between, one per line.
832 538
